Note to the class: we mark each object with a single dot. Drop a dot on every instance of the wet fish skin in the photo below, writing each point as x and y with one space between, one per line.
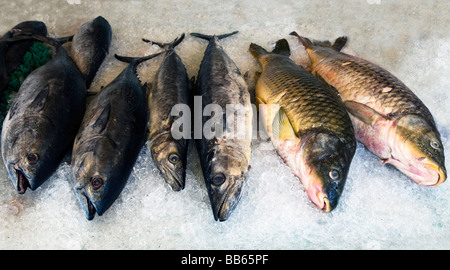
42 121
13 47
225 160
389 119
307 124
90 46
109 140
171 87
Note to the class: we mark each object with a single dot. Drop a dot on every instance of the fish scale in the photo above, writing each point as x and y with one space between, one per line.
388 118
313 102
309 127
365 79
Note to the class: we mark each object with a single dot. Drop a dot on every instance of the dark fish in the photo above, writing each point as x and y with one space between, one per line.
43 120
225 159
307 124
13 46
389 119
109 140
90 46
170 88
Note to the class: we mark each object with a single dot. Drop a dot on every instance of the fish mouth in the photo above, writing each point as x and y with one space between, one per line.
440 178
426 172
223 204
86 203
20 179
22 182
324 202
175 180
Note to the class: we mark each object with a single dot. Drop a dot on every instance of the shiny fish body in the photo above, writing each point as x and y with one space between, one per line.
42 121
170 88
389 119
225 159
307 124
90 46
109 140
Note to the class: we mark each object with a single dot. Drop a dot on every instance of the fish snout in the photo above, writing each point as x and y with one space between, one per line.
225 195
438 175
325 199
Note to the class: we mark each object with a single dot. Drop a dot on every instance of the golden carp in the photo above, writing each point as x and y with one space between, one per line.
307 123
389 119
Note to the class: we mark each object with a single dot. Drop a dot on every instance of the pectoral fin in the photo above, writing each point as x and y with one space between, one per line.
281 126
100 120
363 112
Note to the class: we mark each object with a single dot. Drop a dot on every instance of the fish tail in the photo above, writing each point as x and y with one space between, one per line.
207 37
170 45
282 47
338 44
136 60
305 41
54 42
257 51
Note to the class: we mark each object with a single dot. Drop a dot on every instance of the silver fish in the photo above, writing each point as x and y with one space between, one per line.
225 159
109 140
170 88
43 120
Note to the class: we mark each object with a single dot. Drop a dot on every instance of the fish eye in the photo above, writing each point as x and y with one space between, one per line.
96 182
334 174
218 179
174 158
435 144
32 158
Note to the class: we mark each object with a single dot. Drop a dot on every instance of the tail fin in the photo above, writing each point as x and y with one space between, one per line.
338 44
282 47
213 36
170 45
257 50
137 60
54 42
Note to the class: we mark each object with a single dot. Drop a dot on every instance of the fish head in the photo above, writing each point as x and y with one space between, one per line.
29 28
326 162
169 156
28 159
94 183
225 179
418 152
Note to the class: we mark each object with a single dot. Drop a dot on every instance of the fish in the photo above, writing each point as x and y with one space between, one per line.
109 139
306 122
41 124
389 119
90 46
171 87
224 158
13 46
